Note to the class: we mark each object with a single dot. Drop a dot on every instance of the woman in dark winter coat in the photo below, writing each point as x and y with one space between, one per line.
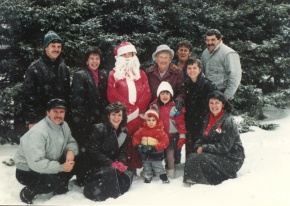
219 153
105 174
89 96
197 88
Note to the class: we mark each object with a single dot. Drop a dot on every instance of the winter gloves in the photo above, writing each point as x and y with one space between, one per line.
180 143
178 106
119 166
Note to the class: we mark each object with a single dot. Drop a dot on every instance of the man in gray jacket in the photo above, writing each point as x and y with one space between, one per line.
221 64
46 155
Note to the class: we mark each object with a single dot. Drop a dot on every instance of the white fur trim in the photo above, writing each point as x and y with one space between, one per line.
133 115
132 91
126 49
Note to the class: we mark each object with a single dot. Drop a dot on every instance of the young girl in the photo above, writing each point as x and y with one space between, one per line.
174 126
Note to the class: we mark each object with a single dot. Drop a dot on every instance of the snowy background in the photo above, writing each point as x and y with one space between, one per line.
263 180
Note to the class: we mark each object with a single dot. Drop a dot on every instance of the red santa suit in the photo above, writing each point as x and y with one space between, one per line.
129 85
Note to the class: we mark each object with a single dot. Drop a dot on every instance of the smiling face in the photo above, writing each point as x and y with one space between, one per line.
53 50
151 122
94 61
165 97
193 70
183 53
56 115
215 106
212 42
116 118
163 60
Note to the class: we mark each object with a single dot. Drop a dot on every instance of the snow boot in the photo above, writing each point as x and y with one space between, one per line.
171 173
27 195
62 189
164 178
147 180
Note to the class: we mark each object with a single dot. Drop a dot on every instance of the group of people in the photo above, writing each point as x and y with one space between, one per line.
102 128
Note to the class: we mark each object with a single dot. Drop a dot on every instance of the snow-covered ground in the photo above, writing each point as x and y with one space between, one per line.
264 179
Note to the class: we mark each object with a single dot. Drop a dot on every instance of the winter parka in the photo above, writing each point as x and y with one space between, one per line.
42 147
196 107
44 80
222 153
173 76
155 133
88 102
172 125
223 67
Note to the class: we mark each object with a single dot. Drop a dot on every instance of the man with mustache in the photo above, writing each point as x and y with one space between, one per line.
46 155
45 79
221 64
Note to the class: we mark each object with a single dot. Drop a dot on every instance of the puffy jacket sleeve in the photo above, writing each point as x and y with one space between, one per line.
234 71
163 139
71 144
180 123
34 149
137 137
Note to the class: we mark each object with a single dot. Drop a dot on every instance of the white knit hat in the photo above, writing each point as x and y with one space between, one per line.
124 47
164 86
162 47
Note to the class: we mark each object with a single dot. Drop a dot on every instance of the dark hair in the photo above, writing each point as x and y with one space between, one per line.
221 97
117 107
184 43
215 32
191 61
160 103
92 50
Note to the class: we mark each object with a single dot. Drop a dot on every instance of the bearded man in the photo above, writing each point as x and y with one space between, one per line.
128 84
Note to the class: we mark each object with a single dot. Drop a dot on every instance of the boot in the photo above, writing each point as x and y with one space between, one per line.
27 195
171 173
147 180
164 178
62 189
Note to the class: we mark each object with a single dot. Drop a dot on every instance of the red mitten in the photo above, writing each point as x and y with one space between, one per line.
115 164
121 167
180 143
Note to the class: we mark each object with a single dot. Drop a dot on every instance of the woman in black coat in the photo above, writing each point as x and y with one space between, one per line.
219 153
89 96
197 88
104 171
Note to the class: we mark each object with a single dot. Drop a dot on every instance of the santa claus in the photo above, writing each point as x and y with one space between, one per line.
129 85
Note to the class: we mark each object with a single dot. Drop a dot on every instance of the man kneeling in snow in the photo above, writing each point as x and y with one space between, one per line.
45 157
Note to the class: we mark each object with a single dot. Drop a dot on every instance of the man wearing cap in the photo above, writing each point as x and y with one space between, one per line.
46 155
128 84
221 64
45 79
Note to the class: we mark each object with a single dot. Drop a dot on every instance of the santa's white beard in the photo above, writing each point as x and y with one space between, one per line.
128 68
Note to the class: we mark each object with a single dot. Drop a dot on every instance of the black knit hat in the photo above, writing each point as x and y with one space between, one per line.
49 37
56 103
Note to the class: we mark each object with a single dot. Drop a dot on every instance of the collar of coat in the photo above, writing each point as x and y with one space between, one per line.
172 68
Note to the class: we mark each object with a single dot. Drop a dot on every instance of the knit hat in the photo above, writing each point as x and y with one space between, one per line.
164 86
56 103
152 113
162 47
124 47
49 37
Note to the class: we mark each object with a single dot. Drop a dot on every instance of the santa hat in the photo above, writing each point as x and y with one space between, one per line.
164 86
124 47
152 113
